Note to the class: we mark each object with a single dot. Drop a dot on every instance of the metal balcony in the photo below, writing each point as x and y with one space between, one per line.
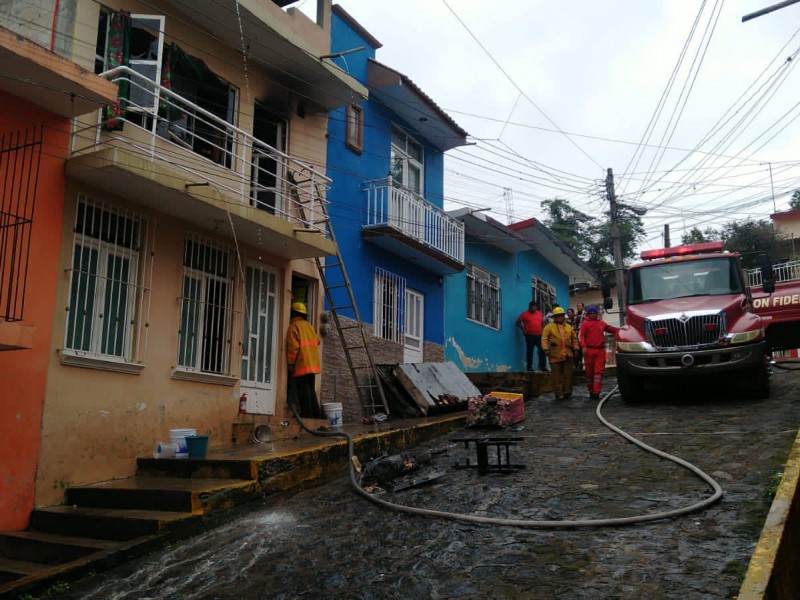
175 157
406 224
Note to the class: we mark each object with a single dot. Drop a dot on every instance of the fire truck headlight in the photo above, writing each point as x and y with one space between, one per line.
745 336
630 346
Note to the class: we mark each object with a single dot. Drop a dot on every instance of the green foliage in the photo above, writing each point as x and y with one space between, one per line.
750 238
695 236
590 237
774 482
794 202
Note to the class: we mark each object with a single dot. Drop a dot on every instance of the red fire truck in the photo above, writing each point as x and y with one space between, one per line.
780 311
690 314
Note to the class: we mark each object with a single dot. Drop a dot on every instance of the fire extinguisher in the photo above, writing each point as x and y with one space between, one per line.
243 404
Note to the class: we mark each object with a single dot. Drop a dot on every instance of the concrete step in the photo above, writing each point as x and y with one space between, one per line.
107 523
12 570
49 548
179 494
203 468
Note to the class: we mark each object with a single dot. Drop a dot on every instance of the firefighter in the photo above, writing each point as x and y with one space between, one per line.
302 357
593 343
560 344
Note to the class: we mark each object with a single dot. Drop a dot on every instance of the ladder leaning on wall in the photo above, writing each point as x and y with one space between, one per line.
341 302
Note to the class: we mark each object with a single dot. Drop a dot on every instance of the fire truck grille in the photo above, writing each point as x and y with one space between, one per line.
686 332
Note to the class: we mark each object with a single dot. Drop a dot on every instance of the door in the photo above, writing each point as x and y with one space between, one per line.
268 174
146 51
414 330
259 354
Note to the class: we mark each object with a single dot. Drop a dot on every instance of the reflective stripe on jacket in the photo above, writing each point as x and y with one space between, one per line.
302 348
559 341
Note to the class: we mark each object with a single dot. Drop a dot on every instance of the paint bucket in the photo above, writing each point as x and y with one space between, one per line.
165 450
333 412
178 436
197 445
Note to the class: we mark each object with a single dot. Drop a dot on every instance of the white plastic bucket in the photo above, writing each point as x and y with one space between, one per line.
165 450
333 412
178 437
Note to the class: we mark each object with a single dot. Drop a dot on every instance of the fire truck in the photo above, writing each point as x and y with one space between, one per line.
780 311
690 313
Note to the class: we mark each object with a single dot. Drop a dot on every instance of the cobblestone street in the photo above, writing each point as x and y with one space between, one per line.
329 543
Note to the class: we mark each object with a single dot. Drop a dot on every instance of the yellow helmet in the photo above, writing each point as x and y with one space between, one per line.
558 311
299 307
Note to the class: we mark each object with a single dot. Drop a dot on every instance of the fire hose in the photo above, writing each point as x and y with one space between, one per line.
536 524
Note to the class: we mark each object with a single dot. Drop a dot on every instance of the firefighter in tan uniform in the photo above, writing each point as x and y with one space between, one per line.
560 344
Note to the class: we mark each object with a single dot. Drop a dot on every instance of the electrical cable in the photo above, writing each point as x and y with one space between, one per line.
536 524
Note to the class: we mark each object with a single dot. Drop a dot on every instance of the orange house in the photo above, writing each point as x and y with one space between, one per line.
35 112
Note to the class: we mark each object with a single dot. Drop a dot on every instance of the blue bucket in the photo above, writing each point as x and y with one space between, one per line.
197 445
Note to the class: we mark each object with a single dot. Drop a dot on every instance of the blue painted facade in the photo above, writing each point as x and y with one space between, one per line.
349 170
475 347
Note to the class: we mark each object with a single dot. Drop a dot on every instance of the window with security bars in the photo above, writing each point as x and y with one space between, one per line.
388 306
483 297
543 294
106 311
204 341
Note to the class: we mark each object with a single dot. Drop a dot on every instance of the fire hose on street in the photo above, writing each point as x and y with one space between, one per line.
537 524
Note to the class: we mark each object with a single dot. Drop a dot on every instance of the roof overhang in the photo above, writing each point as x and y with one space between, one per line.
277 46
489 231
46 79
553 250
415 107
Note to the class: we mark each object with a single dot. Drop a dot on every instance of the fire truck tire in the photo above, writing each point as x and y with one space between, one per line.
630 388
755 384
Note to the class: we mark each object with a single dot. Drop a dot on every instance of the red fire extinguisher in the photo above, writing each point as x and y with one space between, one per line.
243 404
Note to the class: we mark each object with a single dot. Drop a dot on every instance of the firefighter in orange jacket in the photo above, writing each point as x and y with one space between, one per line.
560 343
302 356
593 344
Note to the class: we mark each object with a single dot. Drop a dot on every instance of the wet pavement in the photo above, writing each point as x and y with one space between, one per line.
328 542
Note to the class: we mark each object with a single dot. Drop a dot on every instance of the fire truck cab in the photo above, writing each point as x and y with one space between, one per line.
690 313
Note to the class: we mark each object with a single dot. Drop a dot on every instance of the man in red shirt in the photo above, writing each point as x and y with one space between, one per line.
593 343
530 323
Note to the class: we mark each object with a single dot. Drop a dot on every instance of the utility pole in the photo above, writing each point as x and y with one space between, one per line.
667 242
615 240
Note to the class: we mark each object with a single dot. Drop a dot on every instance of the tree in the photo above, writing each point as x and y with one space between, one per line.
750 238
695 236
589 237
794 202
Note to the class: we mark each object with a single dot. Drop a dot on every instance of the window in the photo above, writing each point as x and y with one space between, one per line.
206 299
388 309
407 159
354 123
105 296
543 294
483 297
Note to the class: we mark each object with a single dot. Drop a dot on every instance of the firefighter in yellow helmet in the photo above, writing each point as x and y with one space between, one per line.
560 344
302 357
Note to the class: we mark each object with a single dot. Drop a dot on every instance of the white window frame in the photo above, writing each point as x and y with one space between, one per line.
484 301
399 150
252 342
209 264
388 308
543 293
86 335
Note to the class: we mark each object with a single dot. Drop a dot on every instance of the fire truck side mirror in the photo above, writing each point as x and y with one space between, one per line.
767 274
605 290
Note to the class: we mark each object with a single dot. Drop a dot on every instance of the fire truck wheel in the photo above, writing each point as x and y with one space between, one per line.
755 384
630 388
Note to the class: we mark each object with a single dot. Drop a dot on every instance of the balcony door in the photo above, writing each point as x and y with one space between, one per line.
268 174
407 161
414 338
259 339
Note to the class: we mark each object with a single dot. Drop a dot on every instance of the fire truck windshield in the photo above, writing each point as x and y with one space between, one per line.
679 279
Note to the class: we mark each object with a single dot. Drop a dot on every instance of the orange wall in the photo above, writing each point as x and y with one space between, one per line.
23 373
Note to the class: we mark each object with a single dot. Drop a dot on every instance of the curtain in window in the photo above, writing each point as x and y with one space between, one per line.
118 53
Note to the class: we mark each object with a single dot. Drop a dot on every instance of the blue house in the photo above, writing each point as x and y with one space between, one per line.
385 156
506 268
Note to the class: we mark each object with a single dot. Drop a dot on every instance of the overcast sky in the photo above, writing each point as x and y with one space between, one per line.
561 91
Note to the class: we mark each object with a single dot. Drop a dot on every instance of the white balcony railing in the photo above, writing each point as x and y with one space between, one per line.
170 129
389 204
788 271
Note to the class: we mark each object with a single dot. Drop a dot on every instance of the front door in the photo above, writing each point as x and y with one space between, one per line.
259 354
414 327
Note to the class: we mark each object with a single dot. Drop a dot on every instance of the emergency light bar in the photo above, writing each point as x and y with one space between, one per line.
682 250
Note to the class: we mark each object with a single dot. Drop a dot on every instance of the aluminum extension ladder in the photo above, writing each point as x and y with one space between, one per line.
342 304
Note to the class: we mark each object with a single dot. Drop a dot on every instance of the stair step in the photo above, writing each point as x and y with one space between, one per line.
208 468
49 548
18 568
106 523
180 494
